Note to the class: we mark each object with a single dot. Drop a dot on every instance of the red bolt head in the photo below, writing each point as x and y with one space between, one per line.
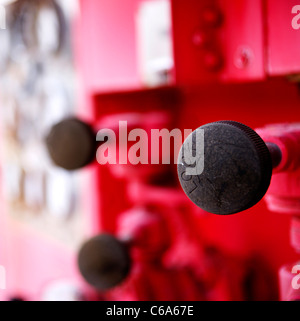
200 39
213 61
212 17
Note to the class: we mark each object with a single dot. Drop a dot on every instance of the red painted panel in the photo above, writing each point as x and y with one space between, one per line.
107 61
106 44
282 40
229 49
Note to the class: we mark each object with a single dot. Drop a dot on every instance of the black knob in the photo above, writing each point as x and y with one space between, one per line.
237 169
71 144
104 262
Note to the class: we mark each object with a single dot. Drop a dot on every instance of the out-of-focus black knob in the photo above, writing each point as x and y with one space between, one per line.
104 262
71 144
237 169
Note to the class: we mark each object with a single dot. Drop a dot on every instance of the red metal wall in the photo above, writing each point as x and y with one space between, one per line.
250 85
246 91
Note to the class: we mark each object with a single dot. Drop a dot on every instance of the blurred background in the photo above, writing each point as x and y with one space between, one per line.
155 64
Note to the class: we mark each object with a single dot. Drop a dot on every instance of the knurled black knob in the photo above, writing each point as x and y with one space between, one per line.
104 262
237 169
71 144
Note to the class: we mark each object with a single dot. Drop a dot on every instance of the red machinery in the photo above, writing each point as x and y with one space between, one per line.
222 59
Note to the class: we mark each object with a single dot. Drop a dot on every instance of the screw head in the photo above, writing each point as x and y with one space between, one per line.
243 58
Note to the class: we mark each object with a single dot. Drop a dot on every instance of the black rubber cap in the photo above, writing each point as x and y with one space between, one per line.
237 169
71 144
104 262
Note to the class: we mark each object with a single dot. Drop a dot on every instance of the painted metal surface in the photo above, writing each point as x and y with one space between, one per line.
225 53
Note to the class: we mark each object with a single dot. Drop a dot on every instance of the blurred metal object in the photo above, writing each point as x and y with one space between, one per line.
37 90
71 144
104 261
6 2
39 35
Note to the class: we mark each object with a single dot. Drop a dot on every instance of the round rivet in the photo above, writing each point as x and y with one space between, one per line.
212 17
213 61
200 38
